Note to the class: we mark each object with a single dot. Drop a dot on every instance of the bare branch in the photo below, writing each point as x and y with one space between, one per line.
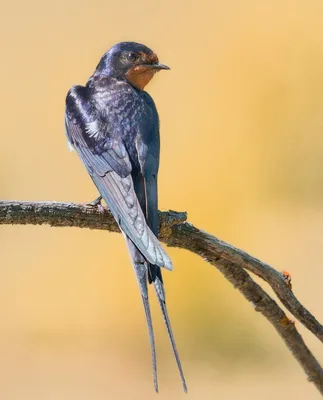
73 215
230 261
223 250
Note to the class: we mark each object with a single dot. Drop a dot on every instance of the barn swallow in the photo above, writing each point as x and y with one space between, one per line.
113 124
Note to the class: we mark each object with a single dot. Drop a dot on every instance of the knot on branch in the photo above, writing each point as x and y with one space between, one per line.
167 219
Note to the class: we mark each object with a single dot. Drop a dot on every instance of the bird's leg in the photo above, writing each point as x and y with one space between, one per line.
97 203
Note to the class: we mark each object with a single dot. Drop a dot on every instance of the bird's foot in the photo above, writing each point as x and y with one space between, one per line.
97 204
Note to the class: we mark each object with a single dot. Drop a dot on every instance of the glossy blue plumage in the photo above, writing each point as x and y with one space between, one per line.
114 127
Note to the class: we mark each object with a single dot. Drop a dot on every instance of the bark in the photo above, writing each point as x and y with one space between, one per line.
233 263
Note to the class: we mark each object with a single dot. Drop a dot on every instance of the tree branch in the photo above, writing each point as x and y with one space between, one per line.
231 262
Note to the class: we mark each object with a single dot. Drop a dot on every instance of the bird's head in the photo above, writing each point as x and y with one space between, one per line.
130 61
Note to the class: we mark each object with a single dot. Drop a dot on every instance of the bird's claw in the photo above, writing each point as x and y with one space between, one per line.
97 204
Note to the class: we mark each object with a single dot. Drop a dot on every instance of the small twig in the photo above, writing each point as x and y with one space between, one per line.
231 262
276 280
211 249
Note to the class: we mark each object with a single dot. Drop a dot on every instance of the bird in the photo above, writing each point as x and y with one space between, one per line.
113 125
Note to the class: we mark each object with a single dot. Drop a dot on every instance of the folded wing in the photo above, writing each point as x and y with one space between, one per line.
107 161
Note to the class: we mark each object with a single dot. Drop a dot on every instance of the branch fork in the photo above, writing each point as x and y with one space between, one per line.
233 263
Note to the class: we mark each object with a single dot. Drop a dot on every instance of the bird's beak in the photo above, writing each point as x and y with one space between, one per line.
159 66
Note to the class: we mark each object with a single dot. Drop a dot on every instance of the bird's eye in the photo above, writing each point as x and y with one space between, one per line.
132 57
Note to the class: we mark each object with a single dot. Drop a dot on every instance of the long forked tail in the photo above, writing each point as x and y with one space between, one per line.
140 269
151 339
161 298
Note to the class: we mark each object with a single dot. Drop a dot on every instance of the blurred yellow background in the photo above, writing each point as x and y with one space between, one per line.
241 126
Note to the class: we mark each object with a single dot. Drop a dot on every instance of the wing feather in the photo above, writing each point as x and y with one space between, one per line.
107 161
123 207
